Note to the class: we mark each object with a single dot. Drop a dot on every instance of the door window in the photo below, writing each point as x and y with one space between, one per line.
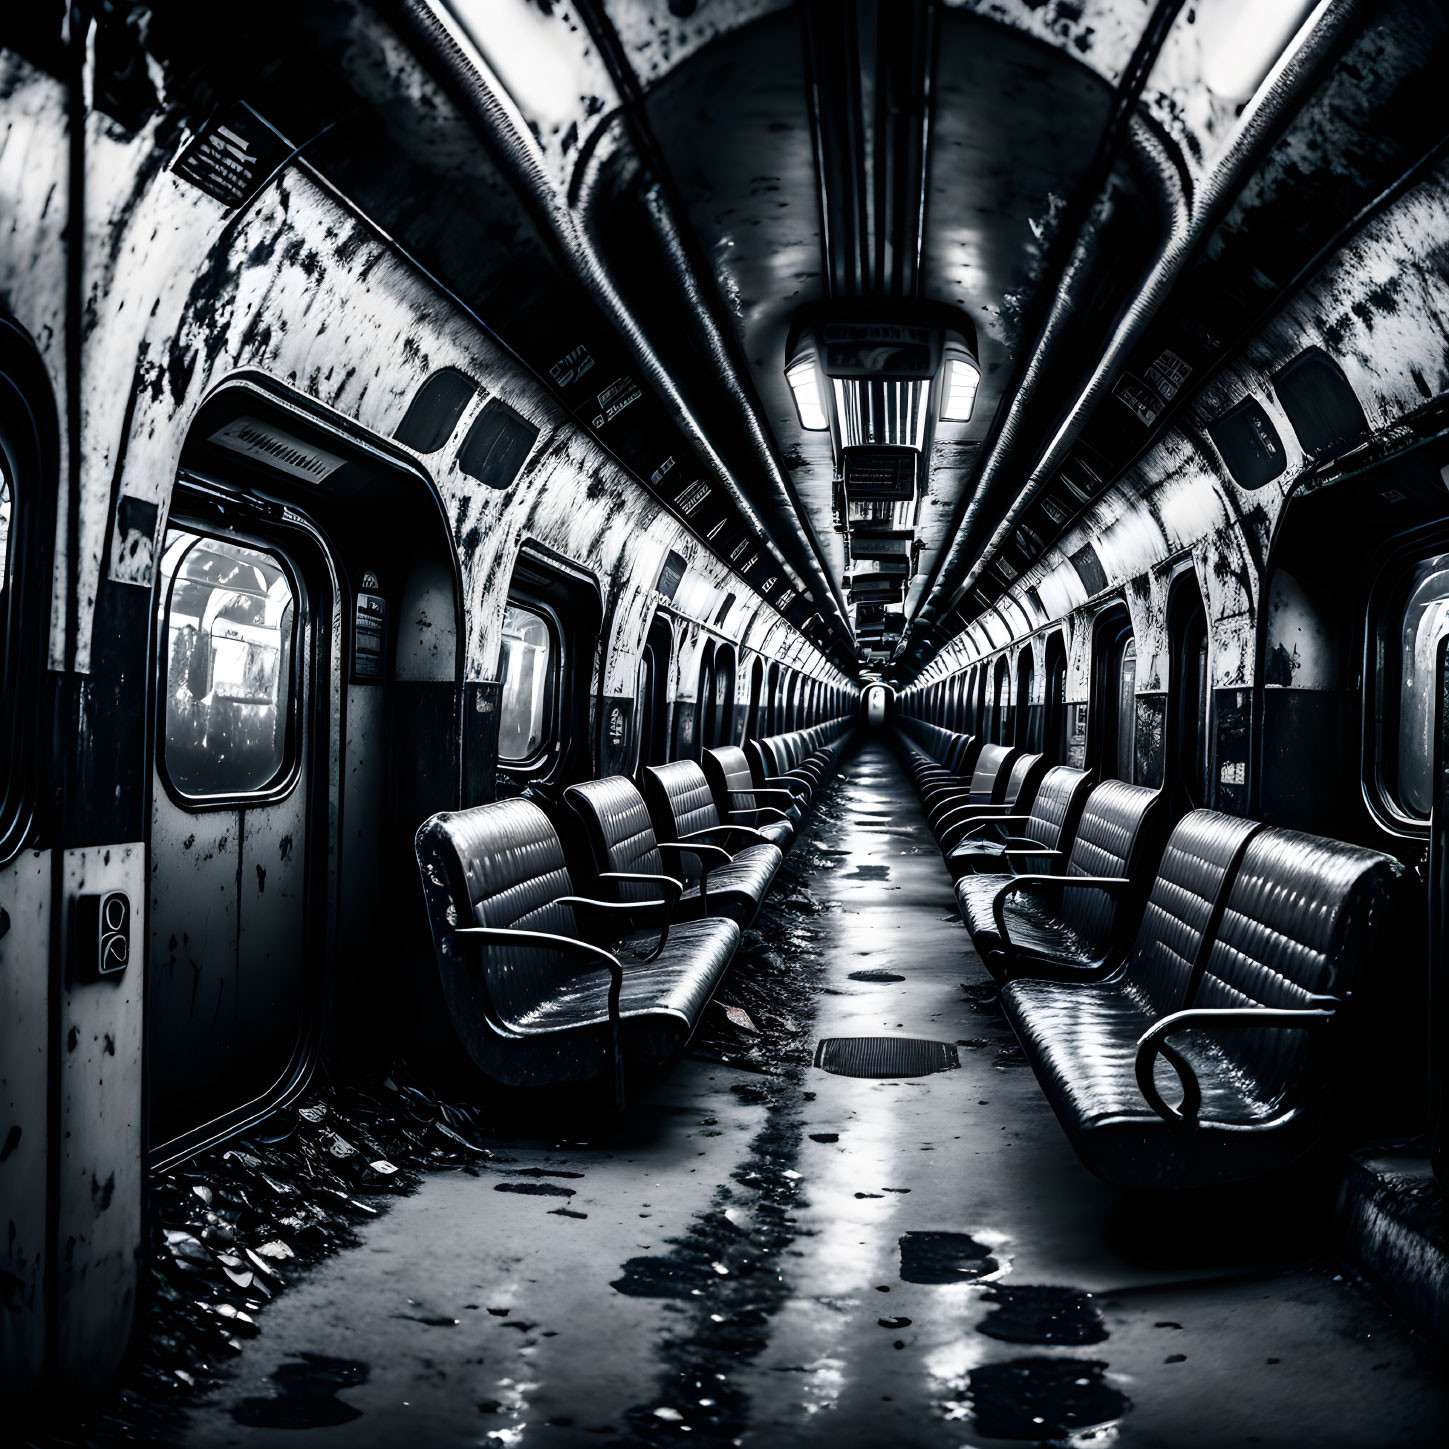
1422 623
230 688
529 664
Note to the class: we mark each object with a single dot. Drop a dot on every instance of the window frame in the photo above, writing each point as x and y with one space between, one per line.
301 670
29 442
550 746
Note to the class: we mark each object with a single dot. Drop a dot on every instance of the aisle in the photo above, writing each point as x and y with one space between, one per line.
758 1258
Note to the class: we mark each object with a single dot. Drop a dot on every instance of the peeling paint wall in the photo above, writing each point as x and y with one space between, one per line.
174 296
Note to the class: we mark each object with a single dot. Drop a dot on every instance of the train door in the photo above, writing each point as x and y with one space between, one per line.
238 846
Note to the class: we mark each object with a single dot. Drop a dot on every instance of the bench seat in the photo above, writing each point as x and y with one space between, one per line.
533 992
1209 1058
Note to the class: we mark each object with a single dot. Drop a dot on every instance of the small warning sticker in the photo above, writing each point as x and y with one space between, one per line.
1140 399
231 154
1167 375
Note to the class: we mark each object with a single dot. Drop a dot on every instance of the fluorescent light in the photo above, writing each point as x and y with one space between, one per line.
806 387
1244 39
958 395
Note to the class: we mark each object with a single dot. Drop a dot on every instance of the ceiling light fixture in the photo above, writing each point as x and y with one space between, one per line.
1243 40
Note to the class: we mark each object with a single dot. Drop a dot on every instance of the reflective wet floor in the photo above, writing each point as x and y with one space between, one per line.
771 1254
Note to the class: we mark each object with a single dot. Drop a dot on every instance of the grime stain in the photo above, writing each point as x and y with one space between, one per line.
308 1397
1042 1313
936 1257
1041 1399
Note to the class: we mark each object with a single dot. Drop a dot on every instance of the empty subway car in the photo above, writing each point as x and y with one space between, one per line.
724 721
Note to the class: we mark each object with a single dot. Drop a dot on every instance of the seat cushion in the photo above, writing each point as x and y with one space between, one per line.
736 889
661 1001
1082 1043
974 895
780 833
1031 921
684 975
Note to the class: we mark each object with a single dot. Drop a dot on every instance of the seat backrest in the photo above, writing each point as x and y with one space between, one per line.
988 779
1300 920
964 751
619 831
1197 866
1115 837
772 753
728 771
680 802
1057 807
1027 773
500 864
760 762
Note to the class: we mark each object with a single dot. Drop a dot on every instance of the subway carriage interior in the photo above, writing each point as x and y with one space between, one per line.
724 721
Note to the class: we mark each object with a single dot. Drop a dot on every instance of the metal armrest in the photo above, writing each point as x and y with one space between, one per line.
1153 1043
671 887
726 830
571 946
766 813
786 782
631 909
1003 820
1112 884
962 817
778 797
708 856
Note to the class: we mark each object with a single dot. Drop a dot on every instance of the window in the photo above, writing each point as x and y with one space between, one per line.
724 696
1127 710
1422 622
1025 678
230 689
998 702
1191 686
1112 736
654 695
528 668
753 716
1054 726
704 720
